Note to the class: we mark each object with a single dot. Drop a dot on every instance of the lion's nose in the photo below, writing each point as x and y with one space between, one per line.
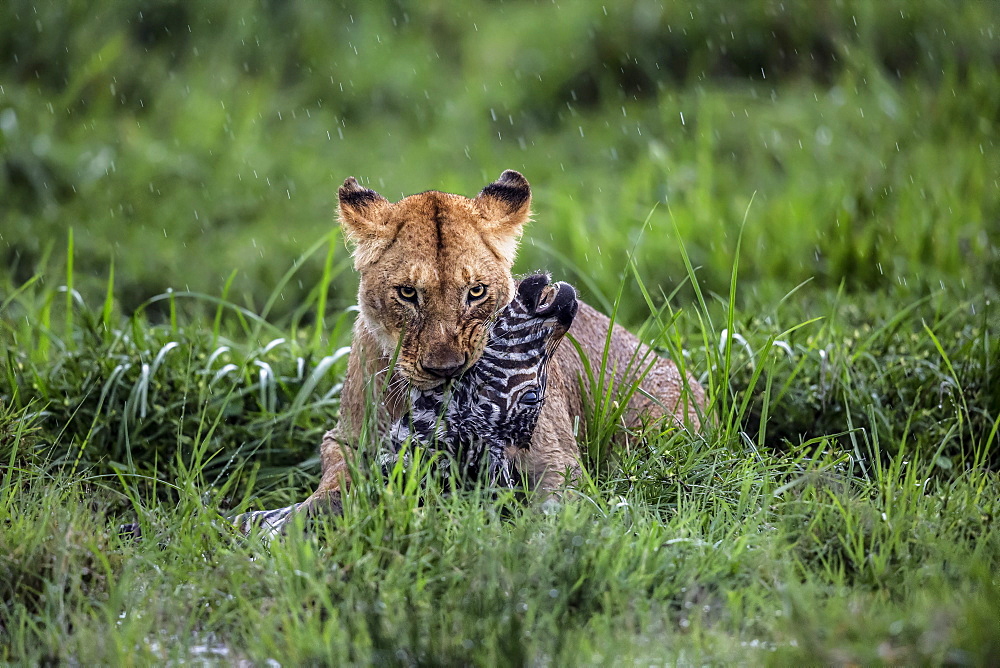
445 364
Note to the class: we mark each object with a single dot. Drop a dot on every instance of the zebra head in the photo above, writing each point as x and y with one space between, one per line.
508 390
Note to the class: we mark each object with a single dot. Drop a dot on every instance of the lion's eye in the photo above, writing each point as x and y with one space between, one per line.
477 292
408 293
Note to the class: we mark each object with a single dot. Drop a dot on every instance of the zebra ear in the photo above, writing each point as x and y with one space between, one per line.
505 206
362 214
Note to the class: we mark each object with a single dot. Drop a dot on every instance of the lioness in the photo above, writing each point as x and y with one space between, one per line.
434 269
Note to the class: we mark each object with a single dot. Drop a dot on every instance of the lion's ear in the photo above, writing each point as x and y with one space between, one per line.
362 216
506 203
506 206
361 212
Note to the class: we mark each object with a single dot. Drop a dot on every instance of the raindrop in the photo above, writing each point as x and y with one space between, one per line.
682 118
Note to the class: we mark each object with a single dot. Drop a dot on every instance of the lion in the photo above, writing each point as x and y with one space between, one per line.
434 269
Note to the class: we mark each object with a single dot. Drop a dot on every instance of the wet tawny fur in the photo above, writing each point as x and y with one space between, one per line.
434 267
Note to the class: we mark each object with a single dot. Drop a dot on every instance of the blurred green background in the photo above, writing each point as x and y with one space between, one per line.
184 141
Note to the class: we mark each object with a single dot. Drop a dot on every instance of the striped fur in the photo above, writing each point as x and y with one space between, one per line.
267 523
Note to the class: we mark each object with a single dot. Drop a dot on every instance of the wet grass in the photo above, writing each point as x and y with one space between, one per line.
689 550
817 243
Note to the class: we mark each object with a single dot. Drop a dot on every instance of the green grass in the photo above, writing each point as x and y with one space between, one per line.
816 242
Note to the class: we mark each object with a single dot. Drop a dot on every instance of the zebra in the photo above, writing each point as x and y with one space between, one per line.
482 420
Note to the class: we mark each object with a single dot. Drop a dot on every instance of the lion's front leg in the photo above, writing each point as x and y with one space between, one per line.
364 384
334 454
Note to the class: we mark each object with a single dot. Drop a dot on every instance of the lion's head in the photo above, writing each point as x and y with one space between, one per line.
434 270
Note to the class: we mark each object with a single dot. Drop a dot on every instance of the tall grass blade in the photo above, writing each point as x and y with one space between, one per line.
69 331
324 287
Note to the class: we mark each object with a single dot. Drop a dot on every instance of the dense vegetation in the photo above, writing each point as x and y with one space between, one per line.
803 198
